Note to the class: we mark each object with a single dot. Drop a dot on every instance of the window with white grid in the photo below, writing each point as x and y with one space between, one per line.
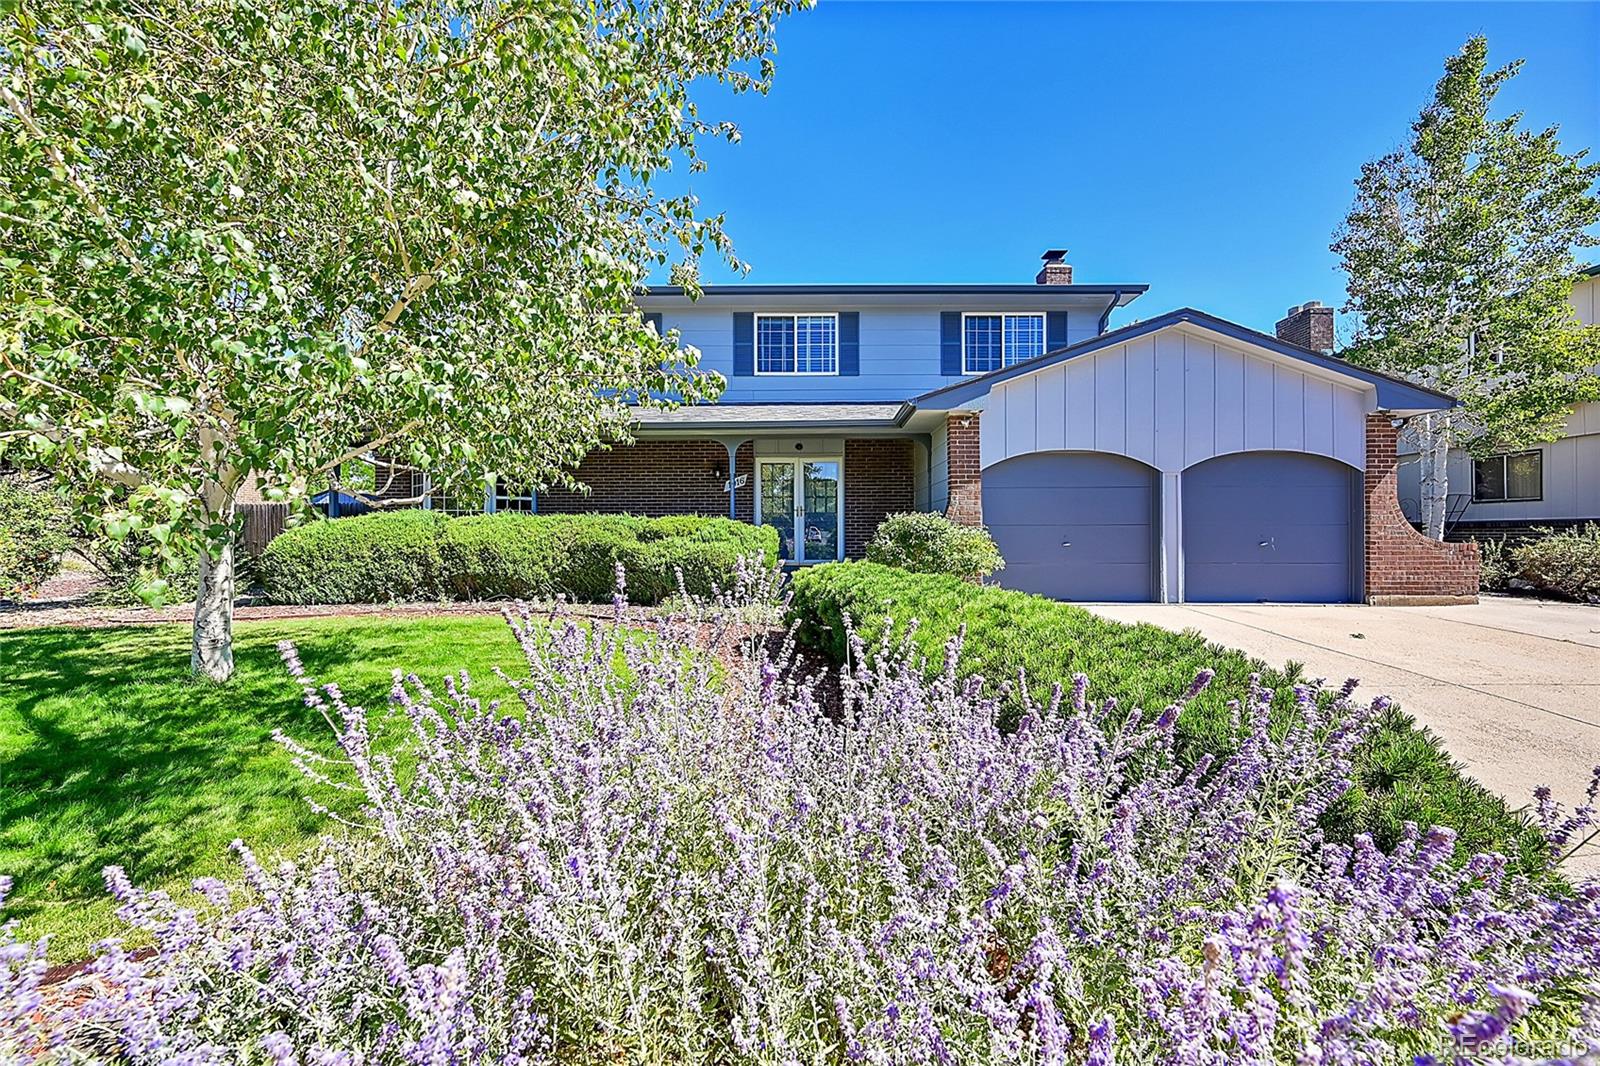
992 341
797 344
508 497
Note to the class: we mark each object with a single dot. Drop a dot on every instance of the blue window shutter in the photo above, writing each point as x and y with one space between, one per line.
950 343
653 318
744 344
849 344
1055 330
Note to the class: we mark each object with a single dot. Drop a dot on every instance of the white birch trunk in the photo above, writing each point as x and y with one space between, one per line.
212 652
1433 485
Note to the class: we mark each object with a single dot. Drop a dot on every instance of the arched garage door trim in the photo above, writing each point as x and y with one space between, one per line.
1076 525
1271 526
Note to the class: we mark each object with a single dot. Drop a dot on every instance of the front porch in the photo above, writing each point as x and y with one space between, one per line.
825 494
824 475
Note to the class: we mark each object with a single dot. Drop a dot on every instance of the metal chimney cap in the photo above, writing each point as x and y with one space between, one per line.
1054 255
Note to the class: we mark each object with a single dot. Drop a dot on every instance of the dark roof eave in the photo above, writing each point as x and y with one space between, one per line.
733 427
1125 290
962 391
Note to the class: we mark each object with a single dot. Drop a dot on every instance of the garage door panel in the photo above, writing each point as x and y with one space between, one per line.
1051 543
1279 545
1272 526
1107 582
1073 525
1311 582
1060 470
1114 505
1291 505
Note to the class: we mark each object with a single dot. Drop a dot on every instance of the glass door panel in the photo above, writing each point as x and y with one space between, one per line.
819 513
777 504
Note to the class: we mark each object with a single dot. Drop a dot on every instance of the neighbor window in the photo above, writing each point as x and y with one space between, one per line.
508 497
797 344
1508 477
989 342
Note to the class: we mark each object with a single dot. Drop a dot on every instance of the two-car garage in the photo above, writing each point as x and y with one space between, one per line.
1182 459
1255 526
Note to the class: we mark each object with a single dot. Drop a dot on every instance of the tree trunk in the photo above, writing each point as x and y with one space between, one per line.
212 653
1433 486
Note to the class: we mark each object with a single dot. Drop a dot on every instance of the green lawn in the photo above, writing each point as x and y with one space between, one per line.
111 753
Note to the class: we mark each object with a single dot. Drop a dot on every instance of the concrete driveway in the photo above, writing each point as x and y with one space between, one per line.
1512 686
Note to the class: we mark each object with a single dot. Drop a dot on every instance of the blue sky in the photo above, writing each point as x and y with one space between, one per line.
1206 149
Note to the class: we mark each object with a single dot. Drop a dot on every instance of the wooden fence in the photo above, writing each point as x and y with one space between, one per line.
262 522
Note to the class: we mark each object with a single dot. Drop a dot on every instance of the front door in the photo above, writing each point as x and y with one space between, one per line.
800 499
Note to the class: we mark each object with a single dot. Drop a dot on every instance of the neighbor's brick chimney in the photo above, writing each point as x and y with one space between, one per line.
1309 325
1056 270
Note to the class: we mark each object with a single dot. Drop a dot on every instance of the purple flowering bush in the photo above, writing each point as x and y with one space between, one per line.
679 848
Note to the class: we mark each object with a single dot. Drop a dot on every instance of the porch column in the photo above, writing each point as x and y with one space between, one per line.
733 446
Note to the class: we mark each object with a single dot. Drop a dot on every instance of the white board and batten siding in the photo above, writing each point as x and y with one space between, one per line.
1171 400
1174 399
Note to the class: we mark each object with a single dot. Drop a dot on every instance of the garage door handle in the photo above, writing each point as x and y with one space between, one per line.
1066 544
1270 542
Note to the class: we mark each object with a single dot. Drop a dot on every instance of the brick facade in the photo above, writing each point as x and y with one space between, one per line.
395 481
658 477
878 482
965 471
1403 565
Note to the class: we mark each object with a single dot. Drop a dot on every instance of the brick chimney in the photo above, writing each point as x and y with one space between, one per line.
1310 326
1056 269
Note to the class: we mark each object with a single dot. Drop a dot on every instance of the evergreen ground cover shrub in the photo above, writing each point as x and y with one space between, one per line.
422 555
927 543
1402 772
649 866
34 534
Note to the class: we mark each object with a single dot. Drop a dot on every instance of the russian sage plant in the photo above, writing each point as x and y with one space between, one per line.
666 851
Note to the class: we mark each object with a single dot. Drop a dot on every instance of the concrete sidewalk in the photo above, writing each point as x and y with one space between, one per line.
1512 686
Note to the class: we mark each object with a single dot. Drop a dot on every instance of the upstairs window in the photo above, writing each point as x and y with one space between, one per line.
1504 478
992 341
797 344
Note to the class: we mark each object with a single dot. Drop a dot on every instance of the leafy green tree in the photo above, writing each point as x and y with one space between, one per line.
1459 252
244 241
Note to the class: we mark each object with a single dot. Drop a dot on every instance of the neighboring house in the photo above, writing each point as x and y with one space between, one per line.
1555 484
1178 458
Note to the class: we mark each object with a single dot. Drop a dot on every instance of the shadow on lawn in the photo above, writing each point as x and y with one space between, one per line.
110 752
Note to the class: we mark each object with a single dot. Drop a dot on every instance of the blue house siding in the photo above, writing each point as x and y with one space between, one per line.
897 350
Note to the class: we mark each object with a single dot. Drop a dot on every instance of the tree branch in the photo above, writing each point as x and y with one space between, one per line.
18 108
361 449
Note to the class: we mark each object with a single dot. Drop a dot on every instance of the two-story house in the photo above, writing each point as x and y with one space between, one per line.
1553 485
1182 457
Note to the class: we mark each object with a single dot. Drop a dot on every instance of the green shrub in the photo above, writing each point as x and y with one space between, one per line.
1402 774
932 544
1565 562
33 535
1495 565
398 556
372 558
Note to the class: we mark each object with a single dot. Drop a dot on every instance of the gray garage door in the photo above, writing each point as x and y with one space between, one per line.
1074 525
1269 526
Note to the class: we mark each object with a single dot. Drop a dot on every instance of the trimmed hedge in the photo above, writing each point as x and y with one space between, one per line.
422 555
1403 774
375 558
